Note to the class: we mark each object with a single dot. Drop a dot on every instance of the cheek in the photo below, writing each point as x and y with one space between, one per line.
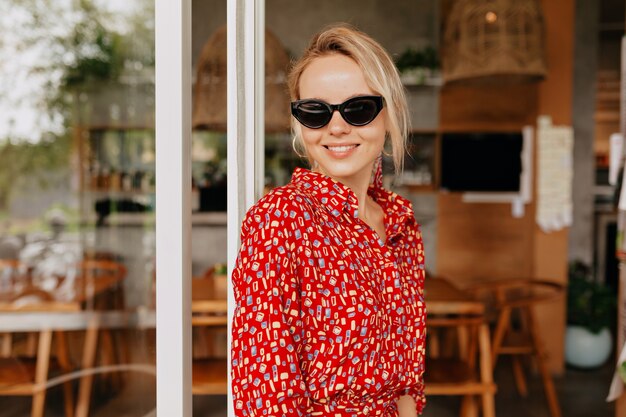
374 133
310 136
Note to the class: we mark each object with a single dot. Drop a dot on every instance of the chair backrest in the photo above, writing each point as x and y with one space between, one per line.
94 268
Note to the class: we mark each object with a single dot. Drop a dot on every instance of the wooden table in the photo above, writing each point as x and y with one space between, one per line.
83 290
442 297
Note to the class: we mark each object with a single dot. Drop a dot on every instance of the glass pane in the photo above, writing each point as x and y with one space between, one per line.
409 32
208 218
77 206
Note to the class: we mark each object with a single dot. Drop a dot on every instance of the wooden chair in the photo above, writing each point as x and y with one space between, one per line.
516 332
209 374
219 282
12 272
113 343
94 269
26 375
456 371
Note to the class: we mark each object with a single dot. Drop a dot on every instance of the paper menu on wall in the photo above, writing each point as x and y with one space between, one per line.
555 172
616 152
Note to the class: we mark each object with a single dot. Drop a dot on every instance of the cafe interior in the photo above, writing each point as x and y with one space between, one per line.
513 171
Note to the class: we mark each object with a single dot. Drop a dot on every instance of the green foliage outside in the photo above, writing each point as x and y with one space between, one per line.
589 303
20 158
412 58
91 52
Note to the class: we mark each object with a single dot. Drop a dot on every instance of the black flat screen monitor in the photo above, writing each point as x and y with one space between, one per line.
481 162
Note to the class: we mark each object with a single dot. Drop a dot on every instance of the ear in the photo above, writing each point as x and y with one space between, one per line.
387 145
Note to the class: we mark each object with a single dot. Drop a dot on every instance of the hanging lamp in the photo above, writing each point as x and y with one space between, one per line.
494 41
209 109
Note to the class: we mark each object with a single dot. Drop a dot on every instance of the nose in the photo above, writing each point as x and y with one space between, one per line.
337 125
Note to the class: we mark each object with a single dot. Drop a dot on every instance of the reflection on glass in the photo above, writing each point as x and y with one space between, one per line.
208 160
76 208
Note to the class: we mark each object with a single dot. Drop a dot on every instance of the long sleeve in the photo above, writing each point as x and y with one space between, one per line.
411 255
267 328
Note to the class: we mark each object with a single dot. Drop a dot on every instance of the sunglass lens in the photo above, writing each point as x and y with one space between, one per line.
360 112
312 114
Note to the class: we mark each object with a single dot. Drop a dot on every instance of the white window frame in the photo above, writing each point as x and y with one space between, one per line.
245 132
173 206
246 127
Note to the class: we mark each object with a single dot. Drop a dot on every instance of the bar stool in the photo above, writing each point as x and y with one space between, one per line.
508 297
458 347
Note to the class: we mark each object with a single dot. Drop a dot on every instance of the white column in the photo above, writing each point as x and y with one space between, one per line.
245 126
173 208
259 97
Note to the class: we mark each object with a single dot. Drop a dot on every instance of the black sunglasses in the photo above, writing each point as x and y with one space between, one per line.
358 111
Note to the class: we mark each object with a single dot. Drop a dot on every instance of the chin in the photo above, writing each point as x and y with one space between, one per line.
340 170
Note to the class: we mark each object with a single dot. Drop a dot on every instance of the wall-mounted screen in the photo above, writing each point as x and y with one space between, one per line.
481 162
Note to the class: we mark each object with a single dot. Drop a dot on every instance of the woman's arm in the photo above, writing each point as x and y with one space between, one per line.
411 256
267 331
406 406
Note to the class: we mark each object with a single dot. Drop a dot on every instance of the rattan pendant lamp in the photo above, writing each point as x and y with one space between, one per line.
493 41
209 109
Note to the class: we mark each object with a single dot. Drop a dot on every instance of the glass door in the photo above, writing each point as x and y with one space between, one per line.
206 124
77 208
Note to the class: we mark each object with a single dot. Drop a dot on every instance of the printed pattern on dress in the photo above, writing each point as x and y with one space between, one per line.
329 319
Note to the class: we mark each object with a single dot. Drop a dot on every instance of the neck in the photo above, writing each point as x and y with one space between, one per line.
358 183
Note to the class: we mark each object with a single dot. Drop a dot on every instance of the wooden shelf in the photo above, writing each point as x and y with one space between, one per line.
414 188
419 131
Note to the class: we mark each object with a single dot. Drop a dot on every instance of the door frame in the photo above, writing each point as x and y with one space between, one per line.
245 150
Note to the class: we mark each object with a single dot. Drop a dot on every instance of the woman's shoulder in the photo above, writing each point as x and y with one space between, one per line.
391 198
281 204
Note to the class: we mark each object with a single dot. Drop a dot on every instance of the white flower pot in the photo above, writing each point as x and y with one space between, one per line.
584 349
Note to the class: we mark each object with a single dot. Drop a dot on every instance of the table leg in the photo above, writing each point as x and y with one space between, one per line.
89 354
486 370
41 372
64 360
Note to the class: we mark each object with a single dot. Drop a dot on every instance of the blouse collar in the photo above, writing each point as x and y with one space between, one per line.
336 196
339 198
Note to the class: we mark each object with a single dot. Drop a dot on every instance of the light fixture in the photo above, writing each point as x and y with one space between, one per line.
209 109
493 41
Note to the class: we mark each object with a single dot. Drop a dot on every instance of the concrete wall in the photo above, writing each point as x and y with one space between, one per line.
581 243
396 25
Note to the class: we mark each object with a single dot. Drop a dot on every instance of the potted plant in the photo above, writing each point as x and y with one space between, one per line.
590 316
419 67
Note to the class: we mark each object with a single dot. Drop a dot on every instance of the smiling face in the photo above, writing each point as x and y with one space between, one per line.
344 152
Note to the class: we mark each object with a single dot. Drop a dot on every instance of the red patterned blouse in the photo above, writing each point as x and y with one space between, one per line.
329 319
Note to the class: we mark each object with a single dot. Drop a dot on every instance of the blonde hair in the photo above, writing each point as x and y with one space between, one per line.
380 74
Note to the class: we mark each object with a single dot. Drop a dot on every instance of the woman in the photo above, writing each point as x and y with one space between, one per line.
329 319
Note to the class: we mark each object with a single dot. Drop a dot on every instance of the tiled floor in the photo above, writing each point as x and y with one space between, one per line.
581 393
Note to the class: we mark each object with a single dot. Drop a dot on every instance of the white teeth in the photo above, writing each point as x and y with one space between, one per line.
341 148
